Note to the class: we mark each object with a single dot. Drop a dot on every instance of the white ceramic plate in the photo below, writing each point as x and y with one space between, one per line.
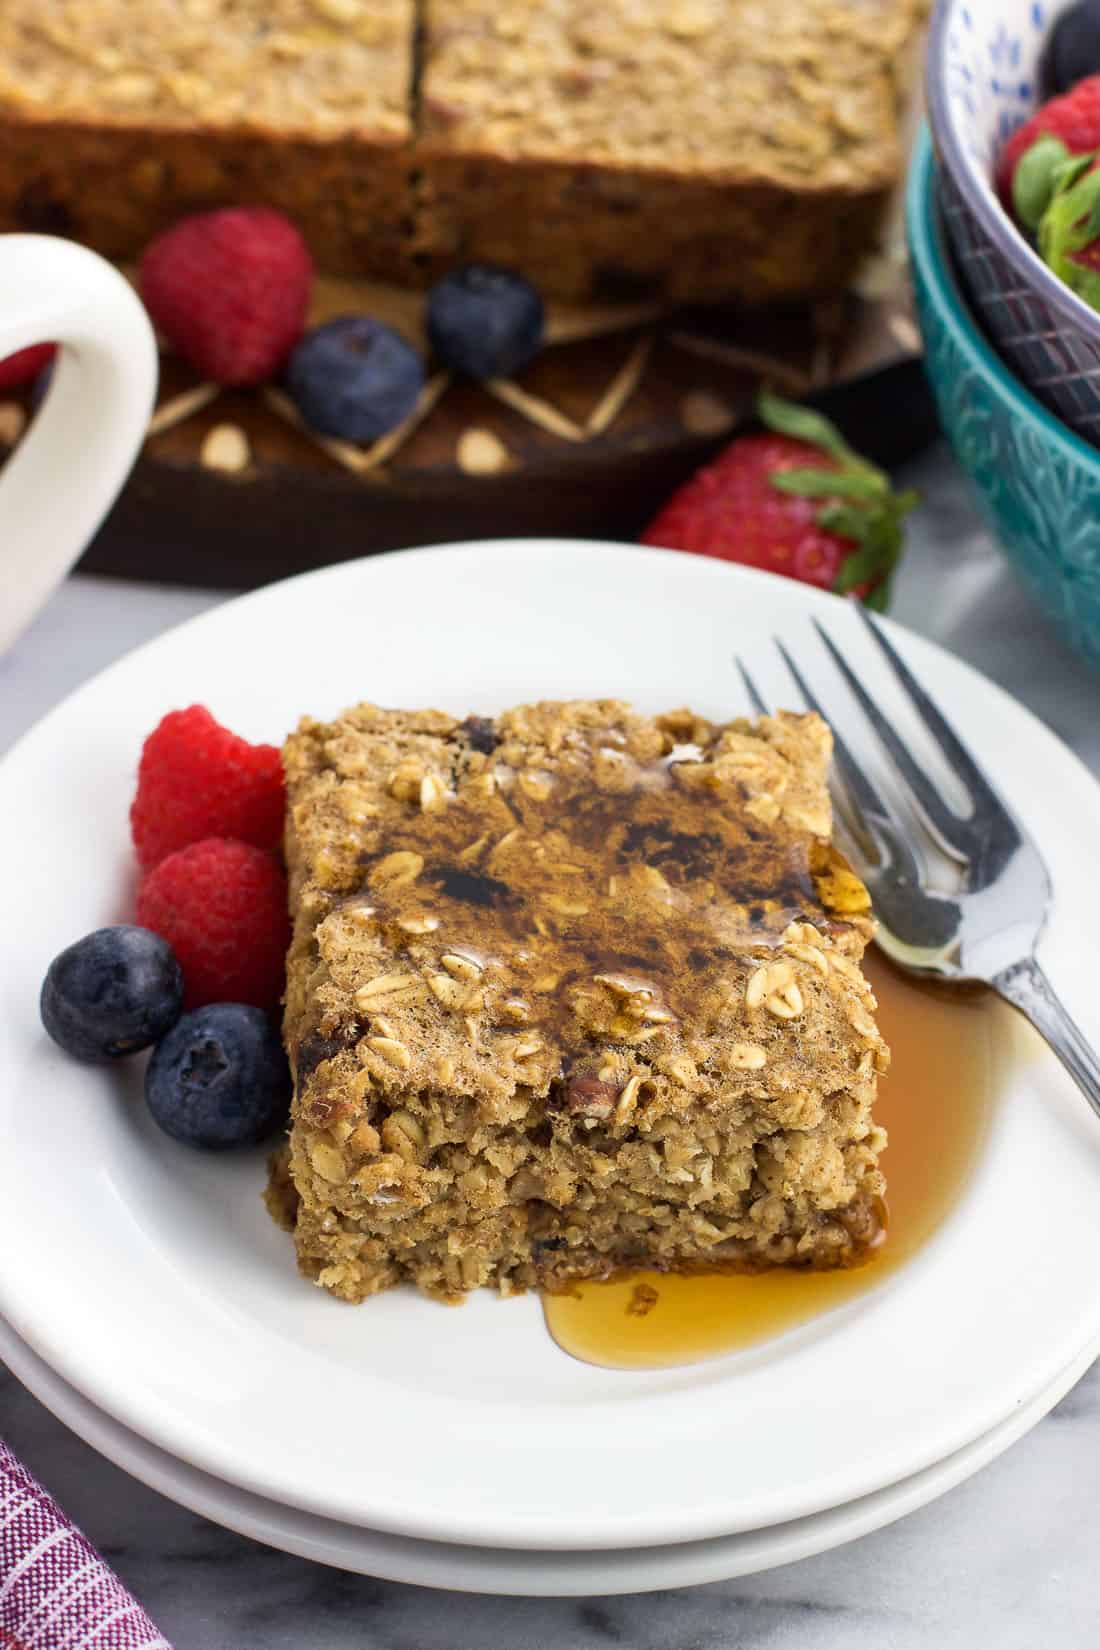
513 1571
151 1279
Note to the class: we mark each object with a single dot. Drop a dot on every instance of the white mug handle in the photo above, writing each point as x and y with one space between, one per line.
58 485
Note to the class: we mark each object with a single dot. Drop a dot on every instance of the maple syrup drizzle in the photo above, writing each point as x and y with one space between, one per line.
934 1105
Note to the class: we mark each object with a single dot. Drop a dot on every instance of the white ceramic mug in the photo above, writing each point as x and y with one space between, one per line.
64 476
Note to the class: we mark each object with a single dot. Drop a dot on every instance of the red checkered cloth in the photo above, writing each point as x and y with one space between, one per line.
56 1593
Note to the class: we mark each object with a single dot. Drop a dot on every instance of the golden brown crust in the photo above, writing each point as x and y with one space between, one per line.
569 994
798 94
316 68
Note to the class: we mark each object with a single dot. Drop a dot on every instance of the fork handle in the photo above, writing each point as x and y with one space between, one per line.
1027 988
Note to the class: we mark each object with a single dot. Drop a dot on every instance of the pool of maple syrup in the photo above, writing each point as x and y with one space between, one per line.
934 1105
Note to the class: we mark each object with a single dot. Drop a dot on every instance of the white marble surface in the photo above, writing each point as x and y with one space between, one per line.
1007 1559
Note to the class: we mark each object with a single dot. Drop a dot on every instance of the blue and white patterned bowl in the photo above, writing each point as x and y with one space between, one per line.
1037 484
983 60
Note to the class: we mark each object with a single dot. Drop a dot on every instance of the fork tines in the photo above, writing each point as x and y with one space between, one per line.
985 837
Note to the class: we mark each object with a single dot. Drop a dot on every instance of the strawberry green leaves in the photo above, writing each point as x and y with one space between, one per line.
1069 231
859 503
1034 178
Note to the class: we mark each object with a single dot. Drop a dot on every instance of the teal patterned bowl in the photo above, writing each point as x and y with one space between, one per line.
1037 484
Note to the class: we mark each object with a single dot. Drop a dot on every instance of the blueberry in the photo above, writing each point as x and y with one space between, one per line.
484 322
354 378
111 993
220 1078
481 734
1072 50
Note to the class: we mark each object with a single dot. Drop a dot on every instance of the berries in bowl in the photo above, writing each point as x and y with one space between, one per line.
991 64
1036 483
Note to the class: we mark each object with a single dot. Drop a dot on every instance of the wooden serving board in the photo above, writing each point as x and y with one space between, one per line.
620 407
623 404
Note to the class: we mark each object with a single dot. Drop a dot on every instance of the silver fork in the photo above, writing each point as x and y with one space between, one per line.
985 931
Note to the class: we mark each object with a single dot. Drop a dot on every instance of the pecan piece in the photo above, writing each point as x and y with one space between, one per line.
587 1096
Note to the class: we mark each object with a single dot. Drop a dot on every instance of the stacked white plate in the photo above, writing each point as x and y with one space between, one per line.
150 1303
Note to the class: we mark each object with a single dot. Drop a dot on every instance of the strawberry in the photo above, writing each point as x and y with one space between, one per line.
1049 177
795 500
229 290
1071 121
25 365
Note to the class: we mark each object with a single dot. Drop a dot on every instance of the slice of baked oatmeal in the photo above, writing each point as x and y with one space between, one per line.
692 152
572 991
118 117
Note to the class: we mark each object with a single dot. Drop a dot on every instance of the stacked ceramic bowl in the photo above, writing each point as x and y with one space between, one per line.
1012 352
148 1298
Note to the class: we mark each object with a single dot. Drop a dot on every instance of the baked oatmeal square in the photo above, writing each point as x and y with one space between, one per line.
572 991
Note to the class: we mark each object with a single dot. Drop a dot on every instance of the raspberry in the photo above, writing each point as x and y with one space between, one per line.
196 779
221 905
24 366
230 290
